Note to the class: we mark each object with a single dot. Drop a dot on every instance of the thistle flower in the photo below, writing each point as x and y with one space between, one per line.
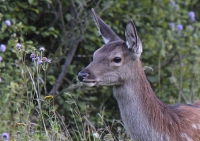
5 136
191 16
172 4
171 25
39 61
41 49
18 46
48 61
2 48
45 59
33 59
1 58
32 55
7 22
179 27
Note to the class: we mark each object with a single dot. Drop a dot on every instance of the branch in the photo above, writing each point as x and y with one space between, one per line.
68 60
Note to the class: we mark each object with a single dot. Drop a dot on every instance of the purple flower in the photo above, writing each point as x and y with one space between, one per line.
33 59
173 4
191 16
48 61
39 61
5 136
7 22
18 46
45 59
2 48
1 58
171 25
179 27
41 49
32 55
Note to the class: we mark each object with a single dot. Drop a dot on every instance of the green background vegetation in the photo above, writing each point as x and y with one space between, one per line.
66 29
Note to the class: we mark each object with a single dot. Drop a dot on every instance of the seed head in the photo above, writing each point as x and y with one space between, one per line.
1 58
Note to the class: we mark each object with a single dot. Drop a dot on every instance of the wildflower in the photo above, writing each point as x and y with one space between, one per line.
39 61
44 59
48 61
5 136
33 59
48 97
32 55
191 16
7 22
41 49
179 27
0 79
18 46
173 4
2 48
171 25
0 58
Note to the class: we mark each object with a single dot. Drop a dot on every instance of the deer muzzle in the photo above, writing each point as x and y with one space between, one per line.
83 78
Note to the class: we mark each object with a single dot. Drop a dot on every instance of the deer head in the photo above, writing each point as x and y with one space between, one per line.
111 63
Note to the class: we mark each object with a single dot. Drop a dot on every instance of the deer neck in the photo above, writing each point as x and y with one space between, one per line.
138 104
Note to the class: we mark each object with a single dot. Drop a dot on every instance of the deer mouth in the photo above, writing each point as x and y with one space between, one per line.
89 83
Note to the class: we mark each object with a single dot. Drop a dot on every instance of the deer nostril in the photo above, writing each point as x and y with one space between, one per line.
82 76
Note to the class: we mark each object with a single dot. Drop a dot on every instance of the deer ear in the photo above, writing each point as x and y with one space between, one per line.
104 30
132 40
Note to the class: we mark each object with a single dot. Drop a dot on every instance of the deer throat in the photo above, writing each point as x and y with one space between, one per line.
134 103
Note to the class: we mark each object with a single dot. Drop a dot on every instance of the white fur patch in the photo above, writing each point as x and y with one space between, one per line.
184 135
194 126
105 40
128 45
89 84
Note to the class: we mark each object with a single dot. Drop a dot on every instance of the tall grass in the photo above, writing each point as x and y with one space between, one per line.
29 113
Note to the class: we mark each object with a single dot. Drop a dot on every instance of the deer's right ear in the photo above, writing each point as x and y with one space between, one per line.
104 30
132 40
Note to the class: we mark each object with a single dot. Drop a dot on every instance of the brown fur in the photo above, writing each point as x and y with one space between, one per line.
145 117
172 120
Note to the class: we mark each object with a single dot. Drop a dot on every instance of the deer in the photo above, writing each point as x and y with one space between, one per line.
145 117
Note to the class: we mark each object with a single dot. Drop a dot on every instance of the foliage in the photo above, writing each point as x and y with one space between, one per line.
66 30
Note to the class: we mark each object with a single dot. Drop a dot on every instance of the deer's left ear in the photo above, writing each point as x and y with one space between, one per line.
132 40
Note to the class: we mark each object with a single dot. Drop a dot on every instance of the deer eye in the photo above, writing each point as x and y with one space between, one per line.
117 59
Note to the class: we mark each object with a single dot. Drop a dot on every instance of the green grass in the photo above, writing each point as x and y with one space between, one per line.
29 113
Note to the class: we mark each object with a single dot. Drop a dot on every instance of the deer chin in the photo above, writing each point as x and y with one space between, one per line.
89 83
